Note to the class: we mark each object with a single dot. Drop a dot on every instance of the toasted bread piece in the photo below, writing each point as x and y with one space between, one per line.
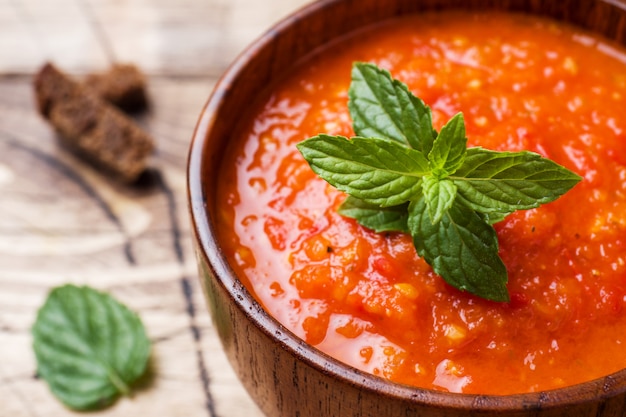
123 85
91 127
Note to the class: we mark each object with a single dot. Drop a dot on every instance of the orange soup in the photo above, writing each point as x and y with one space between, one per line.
367 298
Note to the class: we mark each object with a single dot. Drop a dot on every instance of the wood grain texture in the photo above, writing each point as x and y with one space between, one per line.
286 376
62 221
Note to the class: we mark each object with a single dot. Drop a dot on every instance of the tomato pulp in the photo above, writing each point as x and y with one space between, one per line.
367 298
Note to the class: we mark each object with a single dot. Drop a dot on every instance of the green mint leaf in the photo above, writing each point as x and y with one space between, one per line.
448 151
504 182
492 217
400 174
461 248
374 170
439 196
384 108
88 346
374 217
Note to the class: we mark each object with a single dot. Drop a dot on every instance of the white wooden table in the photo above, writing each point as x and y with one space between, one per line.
61 221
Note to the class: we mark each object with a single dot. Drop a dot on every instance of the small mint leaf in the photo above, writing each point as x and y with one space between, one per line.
493 217
377 171
504 182
89 347
454 194
449 147
461 248
439 196
382 107
371 216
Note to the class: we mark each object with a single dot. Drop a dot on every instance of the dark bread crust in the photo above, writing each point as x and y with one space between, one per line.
91 127
123 85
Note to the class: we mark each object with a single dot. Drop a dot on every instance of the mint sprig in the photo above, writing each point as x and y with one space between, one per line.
89 347
400 174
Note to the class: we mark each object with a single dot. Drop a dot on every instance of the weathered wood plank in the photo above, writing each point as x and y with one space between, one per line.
62 221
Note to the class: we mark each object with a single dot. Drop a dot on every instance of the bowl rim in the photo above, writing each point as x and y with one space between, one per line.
208 247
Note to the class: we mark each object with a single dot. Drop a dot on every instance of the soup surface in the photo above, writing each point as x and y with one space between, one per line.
367 298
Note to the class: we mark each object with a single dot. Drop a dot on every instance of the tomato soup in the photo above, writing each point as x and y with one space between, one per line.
367 298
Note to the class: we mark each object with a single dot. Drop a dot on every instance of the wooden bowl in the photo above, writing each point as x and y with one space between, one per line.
284 375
